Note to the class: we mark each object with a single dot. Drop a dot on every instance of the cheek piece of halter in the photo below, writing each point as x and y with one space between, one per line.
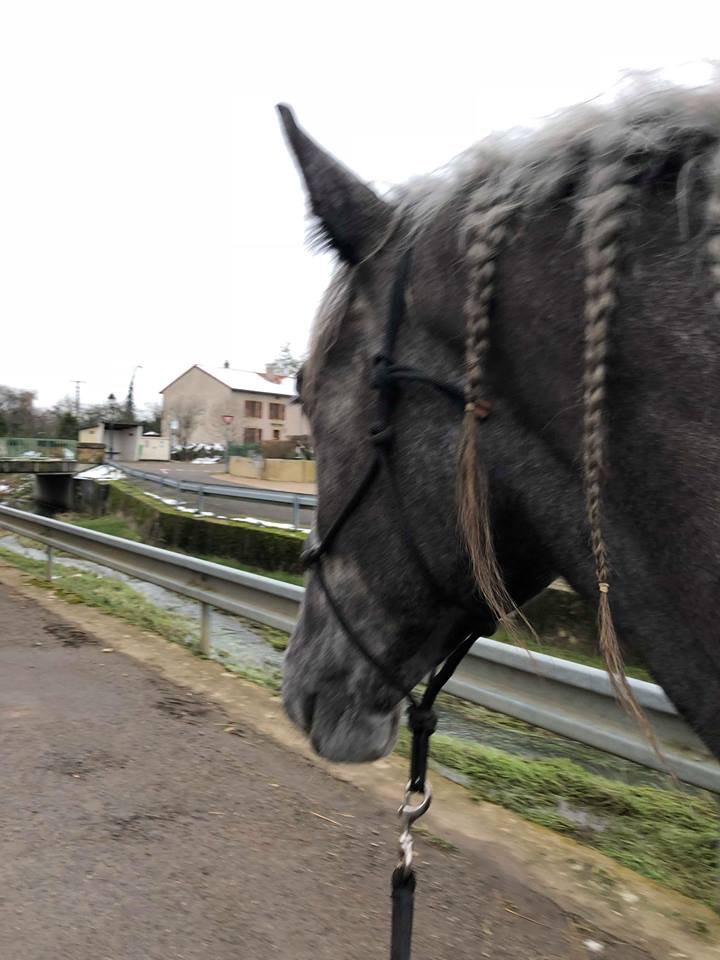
422 720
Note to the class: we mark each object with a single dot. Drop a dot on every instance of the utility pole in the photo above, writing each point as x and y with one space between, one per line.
77 397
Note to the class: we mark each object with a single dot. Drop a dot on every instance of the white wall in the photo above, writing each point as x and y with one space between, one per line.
154 448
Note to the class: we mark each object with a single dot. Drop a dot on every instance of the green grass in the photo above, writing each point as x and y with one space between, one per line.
105 593
112 524
565 653
667 835
283 575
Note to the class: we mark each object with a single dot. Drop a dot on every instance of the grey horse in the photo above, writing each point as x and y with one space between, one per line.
568 282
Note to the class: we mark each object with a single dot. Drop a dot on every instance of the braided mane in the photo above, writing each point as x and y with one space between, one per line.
595 157
600 156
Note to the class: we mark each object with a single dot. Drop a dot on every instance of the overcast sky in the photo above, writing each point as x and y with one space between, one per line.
149 212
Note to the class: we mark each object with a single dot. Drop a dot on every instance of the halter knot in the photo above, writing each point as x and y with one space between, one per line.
422 719
382 435
380 378
310 556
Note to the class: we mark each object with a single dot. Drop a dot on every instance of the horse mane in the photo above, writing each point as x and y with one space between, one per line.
598 156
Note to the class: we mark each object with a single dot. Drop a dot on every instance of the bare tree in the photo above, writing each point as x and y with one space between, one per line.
186 412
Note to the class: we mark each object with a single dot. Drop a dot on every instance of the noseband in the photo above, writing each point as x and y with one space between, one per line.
386 377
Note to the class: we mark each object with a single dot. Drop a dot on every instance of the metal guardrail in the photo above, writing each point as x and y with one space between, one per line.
567 698
293 500
37 448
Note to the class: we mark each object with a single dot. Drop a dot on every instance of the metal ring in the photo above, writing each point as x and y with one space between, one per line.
412 812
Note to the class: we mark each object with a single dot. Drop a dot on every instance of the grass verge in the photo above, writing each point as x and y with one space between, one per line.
105 593
667 835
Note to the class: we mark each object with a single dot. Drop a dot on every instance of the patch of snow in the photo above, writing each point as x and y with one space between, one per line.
68 454
269 523
101 472
4 488
594 947
169 501
188 509
30 455
206 460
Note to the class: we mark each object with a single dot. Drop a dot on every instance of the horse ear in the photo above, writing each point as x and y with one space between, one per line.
352 219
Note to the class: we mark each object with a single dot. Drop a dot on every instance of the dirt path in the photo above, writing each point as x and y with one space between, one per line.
139 824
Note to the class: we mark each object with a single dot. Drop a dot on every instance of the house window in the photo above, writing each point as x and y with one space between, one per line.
276 434
253 408
277 411
252 435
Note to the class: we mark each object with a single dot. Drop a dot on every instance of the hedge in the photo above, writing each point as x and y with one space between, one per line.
265 547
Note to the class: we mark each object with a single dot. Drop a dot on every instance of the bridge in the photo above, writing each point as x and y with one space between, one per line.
52 461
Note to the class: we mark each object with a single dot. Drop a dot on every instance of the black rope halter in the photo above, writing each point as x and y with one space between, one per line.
385 379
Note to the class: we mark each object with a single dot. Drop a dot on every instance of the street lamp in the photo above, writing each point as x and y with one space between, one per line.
111 418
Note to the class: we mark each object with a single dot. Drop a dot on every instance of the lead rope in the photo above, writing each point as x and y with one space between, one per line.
422 722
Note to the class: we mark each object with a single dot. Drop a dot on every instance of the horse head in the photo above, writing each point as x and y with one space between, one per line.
396 593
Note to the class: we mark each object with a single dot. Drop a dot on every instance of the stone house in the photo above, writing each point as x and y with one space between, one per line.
196 403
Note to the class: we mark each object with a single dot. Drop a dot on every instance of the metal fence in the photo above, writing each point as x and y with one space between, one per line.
37 448
558 695
293 500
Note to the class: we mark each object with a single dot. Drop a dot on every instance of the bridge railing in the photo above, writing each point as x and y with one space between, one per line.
567 698
37 448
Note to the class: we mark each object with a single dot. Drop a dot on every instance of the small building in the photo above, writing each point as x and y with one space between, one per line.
197 402
126 442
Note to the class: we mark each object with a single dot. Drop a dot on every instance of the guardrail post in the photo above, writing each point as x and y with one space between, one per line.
296 511
49 563
201 493
204 646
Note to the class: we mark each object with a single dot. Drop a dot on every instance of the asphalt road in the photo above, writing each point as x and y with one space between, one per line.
223 506
137 824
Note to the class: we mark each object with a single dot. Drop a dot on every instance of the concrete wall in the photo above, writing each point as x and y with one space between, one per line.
90 452
291 471
246 467
94 434
287 471
154 448
123 443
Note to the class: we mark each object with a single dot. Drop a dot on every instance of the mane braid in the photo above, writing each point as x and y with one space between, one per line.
485 226
713 217
604 210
